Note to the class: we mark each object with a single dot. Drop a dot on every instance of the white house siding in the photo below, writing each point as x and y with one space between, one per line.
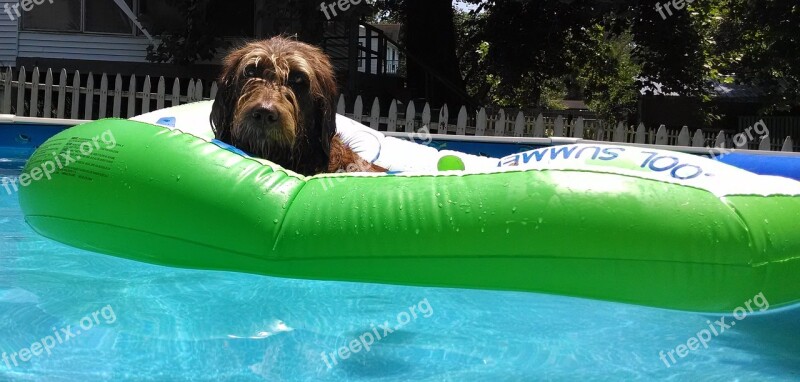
8 36
82 47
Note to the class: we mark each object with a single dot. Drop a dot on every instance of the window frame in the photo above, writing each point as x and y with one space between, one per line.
135 32
132 33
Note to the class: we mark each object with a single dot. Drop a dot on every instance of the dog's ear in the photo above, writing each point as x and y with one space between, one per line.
224 106
222 111
325 118
326 95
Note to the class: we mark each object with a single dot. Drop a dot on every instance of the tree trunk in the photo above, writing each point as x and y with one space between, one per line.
429 37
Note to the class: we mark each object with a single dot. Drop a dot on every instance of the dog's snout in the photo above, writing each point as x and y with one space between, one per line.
266 113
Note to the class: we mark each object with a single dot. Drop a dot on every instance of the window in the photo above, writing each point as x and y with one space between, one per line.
234 18
105 16
64 15
159 16
360 55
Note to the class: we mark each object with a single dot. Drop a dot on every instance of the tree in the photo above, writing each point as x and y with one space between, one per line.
195 40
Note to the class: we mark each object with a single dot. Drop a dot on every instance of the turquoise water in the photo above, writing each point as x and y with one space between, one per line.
149 323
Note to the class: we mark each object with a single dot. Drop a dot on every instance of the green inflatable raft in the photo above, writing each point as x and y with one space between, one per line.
609 222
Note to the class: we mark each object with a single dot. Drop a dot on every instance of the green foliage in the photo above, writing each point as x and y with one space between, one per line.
531 52
606 73
197 39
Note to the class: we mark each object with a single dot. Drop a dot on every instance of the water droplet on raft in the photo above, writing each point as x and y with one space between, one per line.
440 205
540 220
416 231
275 221
766 221
508 230
513 210
297 232
178 178
483 229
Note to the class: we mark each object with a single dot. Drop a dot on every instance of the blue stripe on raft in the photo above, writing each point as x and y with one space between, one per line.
786 166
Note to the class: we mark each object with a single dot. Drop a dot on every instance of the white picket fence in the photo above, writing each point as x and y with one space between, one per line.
76 97
518 124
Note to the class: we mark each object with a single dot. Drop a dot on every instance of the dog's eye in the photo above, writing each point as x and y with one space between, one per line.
297 79
250 71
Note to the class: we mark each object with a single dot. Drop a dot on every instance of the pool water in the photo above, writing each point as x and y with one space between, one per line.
123 320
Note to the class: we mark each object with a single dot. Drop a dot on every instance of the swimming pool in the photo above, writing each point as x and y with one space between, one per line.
124 320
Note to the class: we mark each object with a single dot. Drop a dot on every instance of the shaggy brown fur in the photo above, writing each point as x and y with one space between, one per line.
276 101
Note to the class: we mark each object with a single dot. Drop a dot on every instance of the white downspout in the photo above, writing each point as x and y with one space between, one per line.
128 12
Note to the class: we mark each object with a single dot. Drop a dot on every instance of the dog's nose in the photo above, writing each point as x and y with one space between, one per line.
265 113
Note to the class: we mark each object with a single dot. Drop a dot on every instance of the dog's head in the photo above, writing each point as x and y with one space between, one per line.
276 101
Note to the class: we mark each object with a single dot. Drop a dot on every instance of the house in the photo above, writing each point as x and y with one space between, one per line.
113 36
738 105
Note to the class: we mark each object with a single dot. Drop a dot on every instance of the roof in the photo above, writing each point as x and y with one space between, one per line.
737 92
390 30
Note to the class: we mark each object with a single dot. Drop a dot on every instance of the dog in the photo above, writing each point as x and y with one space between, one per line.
276 101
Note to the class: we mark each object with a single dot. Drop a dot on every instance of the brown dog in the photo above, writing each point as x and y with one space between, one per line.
276 101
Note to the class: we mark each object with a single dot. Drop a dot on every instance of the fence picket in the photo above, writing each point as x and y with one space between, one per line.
190 92
720 141
47 109
538 126
212 94
640 136
34 105
198 91
461 122
577 130
358 109
444 119
161 91
787 144
480 122
620 133
683 137
500 124
519 124
7 80
62 94
698 140
176 92
558 127
117 96
765 143
426 116
87 113
76 95
661 135
132 97
391 119
375 114
103 96
411 113
146 95
339 105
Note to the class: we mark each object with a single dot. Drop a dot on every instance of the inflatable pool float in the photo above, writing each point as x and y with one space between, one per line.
608 222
